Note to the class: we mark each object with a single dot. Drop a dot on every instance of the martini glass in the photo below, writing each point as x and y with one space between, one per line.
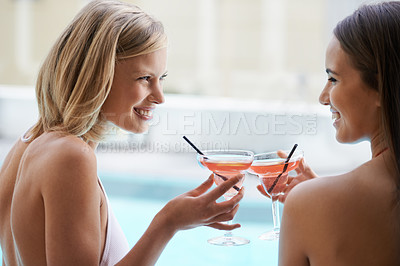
224 165
269 167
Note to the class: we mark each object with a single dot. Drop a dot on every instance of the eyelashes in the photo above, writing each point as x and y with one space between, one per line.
332 80
164 76
148 78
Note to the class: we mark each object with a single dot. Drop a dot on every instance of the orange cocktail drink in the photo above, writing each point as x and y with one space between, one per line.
225 165
272 171
268 170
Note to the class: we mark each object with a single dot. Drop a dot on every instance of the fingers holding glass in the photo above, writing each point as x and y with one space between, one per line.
228 168
272 169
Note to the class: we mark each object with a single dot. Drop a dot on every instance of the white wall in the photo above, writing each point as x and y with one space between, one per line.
18 110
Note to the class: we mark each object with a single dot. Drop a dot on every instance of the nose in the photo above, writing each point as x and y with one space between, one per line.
324 96
157 94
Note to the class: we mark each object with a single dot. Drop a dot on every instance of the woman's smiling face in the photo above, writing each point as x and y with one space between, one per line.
136 90
354 105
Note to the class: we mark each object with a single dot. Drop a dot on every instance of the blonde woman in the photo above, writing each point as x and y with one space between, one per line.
107 66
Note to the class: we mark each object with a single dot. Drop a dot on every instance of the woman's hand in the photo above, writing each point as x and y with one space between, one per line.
304 172
191 209
199 207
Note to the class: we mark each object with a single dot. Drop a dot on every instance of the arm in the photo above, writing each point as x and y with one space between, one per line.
189 210
71 200
294 232
73 231
312 222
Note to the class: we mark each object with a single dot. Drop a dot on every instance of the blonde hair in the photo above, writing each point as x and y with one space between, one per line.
76 77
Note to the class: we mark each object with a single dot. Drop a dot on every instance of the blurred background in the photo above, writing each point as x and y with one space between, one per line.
243 74
264 49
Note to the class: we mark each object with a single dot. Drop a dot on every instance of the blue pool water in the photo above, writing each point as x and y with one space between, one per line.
190 247
136 200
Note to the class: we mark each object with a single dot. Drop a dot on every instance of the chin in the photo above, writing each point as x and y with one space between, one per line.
138 129
339 137
342 139
350 140
141 131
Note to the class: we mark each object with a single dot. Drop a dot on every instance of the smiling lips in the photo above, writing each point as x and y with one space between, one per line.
144 113
335 115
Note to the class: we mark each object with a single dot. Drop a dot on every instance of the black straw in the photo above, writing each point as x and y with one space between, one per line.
191 144
284 169
199 152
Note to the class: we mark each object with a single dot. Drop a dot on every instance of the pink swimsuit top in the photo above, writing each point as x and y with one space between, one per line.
116 246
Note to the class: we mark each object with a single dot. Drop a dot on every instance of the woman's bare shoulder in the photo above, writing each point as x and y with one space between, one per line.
58 148
324 200
314 212
337 187
329 202
323 188
349 210
59 159
14 155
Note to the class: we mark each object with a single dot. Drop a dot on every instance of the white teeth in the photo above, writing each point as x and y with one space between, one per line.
335 116
144 112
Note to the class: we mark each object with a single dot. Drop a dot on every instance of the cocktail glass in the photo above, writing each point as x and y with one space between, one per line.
269 167
224 165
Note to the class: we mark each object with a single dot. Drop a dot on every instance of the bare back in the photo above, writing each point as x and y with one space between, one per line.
36 199
8 176
343 220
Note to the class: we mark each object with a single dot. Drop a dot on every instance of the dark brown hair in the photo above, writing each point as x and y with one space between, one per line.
371 37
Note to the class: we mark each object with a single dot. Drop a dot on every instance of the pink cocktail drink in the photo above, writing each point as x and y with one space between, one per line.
227 169
268 170
225 165
272 171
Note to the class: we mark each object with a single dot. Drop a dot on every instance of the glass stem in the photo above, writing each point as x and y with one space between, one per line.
275 213
228 233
